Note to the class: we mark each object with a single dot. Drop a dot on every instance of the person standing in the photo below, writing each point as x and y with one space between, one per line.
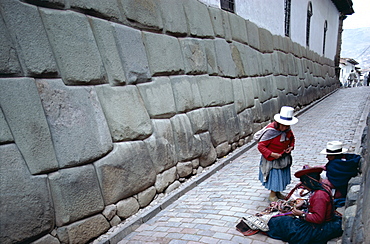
275 143
351 79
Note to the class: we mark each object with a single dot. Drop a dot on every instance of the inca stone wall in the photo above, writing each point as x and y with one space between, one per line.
356 218
105 105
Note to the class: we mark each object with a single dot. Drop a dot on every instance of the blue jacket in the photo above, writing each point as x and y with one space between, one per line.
340 171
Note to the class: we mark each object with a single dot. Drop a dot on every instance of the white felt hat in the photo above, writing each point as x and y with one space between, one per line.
285 116
334 147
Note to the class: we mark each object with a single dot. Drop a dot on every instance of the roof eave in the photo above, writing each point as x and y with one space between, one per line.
344 6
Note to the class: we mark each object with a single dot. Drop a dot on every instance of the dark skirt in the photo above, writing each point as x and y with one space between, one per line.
294 230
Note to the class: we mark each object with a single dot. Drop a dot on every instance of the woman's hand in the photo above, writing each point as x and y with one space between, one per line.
297 212
288 150
275 155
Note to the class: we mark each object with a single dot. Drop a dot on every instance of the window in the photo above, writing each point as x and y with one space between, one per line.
228 5
309 14
324 41
288 3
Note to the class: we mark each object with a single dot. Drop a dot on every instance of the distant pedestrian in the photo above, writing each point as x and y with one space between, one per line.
367 79
352 79
275 143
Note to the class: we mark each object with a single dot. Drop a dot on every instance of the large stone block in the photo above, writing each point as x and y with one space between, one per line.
217 21
238 28
26 207
84 230
253 64
275 63
196 12
9 63
231 123
199 120
270 108
27 122
209 46
215 90
161 146
265 88
158 97
143 13
253 35
173 15
245 122
227 26
186 93
126 171
76 139
217 125
194 53
119 104
243 62
187 145
107 9
76 194
26 27
266 60
132 51
225 62
249 91
164 54
239 97
283 63
266 41
74 47
5 133
237 57
209 154
104 36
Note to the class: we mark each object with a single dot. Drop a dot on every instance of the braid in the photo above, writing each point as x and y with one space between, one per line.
313 183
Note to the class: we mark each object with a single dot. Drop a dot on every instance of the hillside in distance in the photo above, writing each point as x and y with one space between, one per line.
356 45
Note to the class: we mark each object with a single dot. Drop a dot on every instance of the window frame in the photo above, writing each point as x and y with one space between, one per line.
308 23
287 10
228 5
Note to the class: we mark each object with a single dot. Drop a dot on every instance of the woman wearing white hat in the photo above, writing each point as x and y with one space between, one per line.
340 168
275 142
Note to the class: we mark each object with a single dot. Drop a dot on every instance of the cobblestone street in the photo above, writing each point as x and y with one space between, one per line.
209 212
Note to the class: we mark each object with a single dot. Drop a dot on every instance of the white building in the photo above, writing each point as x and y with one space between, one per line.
311 23
346 66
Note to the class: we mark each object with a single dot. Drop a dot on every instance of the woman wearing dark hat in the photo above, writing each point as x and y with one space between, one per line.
340 168
275 142
319 224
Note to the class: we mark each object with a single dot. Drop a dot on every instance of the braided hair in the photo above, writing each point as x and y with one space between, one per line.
312 181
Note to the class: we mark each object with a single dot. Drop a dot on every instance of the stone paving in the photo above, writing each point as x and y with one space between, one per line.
209 212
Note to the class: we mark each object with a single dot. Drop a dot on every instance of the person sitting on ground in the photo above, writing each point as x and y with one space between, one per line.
340 168
275 143
319 224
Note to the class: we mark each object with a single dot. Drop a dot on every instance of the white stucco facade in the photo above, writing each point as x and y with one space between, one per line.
270 14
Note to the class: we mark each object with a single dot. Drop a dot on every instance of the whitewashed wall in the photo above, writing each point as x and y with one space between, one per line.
269 14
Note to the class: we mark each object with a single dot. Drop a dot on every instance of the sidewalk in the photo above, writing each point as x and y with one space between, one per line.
216 200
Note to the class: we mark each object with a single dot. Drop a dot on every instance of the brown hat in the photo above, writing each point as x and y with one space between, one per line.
312 170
